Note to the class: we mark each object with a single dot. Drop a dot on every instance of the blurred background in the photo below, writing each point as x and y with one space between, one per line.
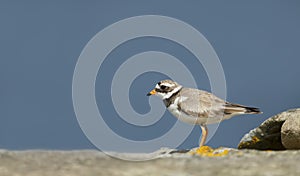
257 43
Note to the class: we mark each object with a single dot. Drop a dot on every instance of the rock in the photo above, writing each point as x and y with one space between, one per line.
92 162
290 132
268 135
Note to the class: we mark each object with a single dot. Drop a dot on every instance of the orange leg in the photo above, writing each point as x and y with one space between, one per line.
204 135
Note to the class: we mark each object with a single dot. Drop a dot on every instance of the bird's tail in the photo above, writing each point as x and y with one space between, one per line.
252 110
231 108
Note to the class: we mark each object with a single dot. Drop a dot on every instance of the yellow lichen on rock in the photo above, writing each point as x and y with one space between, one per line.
246 144
204 149
210 152
255 139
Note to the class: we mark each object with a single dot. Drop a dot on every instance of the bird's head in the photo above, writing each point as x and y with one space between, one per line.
165 89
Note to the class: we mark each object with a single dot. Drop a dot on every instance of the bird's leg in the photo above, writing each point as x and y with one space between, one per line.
204 150
204 135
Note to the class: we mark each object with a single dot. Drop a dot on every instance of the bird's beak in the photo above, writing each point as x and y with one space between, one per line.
151 93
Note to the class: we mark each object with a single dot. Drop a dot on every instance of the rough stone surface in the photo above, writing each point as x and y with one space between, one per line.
290 132
268 135
81 163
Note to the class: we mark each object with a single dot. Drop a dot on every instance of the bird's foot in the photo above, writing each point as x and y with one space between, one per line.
208 151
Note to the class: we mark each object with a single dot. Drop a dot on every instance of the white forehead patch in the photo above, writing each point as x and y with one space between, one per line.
167 84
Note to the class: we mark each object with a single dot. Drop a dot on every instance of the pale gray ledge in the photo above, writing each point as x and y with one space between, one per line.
90 163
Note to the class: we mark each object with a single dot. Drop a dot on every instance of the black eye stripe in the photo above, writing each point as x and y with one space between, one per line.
161 91
163 86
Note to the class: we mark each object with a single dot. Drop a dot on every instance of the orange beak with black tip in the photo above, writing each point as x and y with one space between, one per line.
153 92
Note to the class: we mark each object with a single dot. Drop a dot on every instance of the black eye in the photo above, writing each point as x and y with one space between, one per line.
163 87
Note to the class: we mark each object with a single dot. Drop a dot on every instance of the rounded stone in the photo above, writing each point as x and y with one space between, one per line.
290 132
270 134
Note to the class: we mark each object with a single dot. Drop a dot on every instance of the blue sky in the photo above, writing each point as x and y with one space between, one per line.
257 43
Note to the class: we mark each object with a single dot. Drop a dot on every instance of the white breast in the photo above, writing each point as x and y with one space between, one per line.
173 108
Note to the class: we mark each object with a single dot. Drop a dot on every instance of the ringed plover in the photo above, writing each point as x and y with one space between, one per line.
197 106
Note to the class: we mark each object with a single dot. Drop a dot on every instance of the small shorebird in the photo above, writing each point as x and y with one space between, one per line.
197 106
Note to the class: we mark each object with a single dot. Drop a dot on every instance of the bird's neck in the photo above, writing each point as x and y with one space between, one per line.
170 97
